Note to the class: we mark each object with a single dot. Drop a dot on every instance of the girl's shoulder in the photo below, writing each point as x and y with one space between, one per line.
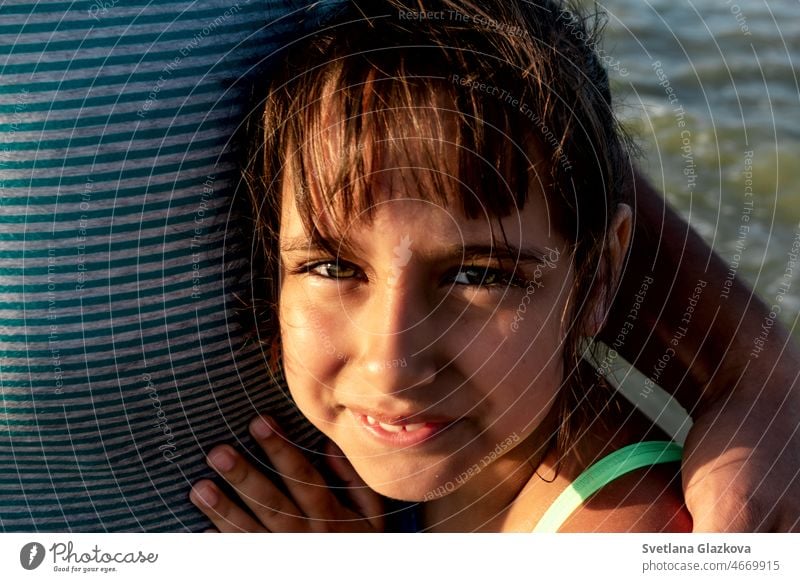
645 500
648 499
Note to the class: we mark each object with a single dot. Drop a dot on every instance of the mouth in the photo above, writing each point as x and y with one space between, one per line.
400 433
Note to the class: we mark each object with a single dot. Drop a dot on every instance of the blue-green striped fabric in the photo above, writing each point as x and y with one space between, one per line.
120 358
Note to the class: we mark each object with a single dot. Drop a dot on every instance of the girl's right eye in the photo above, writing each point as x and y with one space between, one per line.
332 270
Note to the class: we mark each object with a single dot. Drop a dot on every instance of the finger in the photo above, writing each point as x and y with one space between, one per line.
737 514
307 487
740 521
365 500
723 508
226 515
269 504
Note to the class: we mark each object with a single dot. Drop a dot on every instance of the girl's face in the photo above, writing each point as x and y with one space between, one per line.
428 350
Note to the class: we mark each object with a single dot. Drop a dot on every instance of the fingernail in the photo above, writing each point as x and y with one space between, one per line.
206 495
261 429
222 460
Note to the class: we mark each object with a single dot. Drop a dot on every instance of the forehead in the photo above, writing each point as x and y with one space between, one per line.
430 225
344 164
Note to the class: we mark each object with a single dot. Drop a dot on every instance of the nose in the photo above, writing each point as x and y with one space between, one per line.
398 345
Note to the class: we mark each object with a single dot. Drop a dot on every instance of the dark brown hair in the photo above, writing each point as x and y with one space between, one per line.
530 99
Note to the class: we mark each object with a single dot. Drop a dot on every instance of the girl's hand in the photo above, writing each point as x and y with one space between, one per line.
741 467
311 507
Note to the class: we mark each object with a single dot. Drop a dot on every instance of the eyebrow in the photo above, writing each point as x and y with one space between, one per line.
499 250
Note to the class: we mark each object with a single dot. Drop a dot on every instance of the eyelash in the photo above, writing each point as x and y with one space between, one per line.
505 278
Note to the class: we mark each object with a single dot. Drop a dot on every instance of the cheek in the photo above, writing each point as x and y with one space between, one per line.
313 350
522 337
518 368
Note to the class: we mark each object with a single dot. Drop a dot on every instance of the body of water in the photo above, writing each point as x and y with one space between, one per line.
710 90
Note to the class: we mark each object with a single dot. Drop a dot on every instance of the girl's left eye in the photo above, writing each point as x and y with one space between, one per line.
484 277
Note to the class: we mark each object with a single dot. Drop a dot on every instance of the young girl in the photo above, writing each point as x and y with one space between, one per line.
442 193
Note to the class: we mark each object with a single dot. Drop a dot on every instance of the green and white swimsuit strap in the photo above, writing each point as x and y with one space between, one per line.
603 472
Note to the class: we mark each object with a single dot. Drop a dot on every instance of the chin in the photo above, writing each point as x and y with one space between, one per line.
405 485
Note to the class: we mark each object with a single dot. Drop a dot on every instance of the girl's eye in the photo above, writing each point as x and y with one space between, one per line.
332 270
483 277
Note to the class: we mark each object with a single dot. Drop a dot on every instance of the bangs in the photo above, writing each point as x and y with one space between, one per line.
394 127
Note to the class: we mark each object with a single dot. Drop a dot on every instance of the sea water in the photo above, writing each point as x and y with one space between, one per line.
710 91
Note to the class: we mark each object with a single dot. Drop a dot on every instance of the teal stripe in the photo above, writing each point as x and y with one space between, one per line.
91 267
41 8
124 79
82 122
188 188
81 104
65 466
94 316
134 405
114 212
67 489
119 175
87 44
191 519
105 249
138 277
112 299
95 64
204 18
26 9
232 391
40 163
140 416
145 344
182 523
211 391
181 286
115 455
29 453
118 375
102 138
73 485
232 404
45 427
226 383
132 278
160 469
117 328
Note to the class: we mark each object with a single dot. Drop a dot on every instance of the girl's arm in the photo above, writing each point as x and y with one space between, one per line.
684 319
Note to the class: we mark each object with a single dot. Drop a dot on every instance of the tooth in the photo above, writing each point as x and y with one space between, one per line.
415 426
390 427
370 420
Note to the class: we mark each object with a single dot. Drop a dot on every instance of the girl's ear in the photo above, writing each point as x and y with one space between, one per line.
617 241
620 238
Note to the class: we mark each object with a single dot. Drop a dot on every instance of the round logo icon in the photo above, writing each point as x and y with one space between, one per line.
31 555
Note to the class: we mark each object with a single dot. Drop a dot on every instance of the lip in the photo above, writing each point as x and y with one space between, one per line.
402 438
401 418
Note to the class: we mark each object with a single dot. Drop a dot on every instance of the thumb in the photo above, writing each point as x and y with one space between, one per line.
712 521
725 511
364 500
